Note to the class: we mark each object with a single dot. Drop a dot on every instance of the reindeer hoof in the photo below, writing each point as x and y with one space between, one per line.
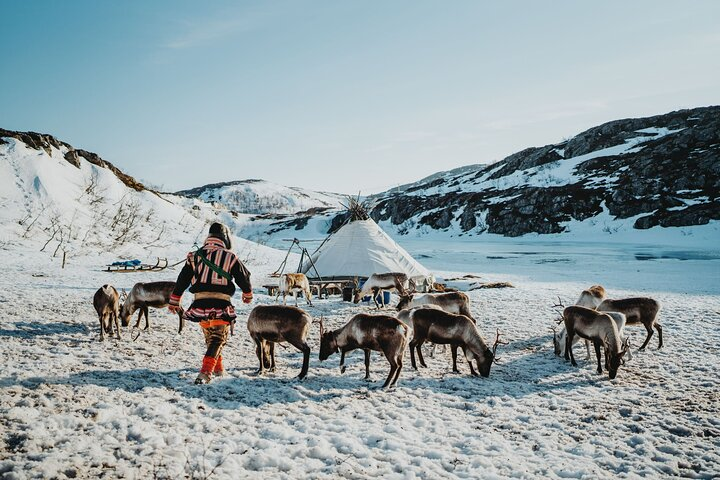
342 369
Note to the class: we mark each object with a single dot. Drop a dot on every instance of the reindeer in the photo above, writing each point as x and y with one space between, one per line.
590 298
271 324
144 295
451 302
381 333
559 339
638 310
439 326
294 282
377 282
601 330
107 305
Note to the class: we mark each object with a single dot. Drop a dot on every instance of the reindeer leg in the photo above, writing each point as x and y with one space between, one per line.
568 347
342 361
301 345
307 297
295 297
453 352
102 328
117 324
147 318
260 352
399 361
413 344
658 327
420 355
393 367
271 353
597 354
367 364
587 349
649 329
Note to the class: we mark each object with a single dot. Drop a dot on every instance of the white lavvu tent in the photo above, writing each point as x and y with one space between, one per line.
361 248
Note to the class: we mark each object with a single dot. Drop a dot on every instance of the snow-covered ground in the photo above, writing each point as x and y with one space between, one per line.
71 406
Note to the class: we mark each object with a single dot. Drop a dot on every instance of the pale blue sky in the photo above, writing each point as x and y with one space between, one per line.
339 95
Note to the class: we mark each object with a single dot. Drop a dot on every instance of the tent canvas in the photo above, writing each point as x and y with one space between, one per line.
359 249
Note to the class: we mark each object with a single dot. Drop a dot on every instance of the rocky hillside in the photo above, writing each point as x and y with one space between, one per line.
263 197
639 173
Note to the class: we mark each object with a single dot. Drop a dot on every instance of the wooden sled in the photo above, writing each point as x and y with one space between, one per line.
161 264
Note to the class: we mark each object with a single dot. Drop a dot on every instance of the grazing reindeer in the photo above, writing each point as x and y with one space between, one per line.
144 295
439 326
377 282
271 324
559 339
107 305
638 310
294 282
601 330
451 302
381 333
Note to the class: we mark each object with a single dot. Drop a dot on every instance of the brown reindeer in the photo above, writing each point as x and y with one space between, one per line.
452 302
600 329
271 324
292 283
439 326
144 295
638 311
381 333
107 305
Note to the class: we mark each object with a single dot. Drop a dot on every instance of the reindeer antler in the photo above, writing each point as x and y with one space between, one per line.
495 345
558 308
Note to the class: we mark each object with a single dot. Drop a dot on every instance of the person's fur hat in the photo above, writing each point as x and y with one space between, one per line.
218 230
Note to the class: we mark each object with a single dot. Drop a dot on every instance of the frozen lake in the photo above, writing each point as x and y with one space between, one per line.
626 266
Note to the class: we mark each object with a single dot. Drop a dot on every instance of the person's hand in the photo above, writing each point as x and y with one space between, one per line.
247 297
174 308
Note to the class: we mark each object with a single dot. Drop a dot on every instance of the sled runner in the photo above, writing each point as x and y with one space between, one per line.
136 266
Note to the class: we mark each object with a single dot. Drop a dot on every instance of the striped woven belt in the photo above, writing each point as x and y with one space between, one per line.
214 295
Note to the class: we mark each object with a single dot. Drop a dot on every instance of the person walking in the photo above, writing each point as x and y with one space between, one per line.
212 272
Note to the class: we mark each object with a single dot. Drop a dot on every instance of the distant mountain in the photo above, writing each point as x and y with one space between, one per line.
262 197
624 175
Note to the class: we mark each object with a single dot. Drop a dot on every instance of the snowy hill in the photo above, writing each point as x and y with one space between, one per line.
263 197
69 202
656 177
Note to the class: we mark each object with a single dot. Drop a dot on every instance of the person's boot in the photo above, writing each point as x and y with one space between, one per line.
208 366
219 371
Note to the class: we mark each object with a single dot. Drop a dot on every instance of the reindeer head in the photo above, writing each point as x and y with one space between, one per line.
124 309
328 344
616 359
486 360
404 301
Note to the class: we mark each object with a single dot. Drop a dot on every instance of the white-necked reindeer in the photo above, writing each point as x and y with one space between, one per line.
381 333
144 295
439 326
590 298
600 329
378 282
107 305
294 282
271 324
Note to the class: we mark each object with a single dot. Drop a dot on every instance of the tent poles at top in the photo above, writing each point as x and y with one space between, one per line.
281 268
